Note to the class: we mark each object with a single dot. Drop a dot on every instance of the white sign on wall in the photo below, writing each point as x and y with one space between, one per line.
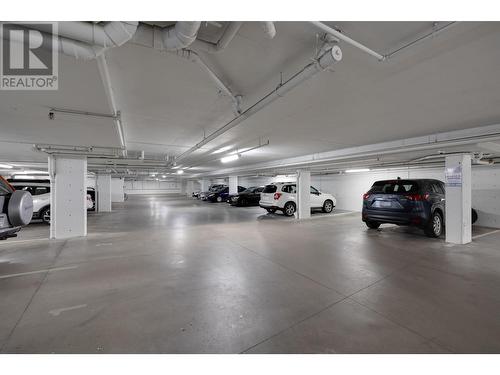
453 176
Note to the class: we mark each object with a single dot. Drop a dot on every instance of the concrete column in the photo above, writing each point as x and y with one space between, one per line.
190 188
233 184
458 222
205 184
117 194
303 194
68 196
103 193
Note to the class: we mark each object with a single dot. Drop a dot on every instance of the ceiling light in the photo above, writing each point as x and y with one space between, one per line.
357 170
230 158
163 176
6 166
31 172
223 149
176 167
180 171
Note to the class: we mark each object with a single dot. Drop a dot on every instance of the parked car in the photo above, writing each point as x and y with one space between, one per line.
416 202
281 196
222 194
248 197
203 195
40 191
16 209
195 194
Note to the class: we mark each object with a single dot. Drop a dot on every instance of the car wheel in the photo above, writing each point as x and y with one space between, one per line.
45 215
474 216
434 228
328 206
372 224
219 199
289 209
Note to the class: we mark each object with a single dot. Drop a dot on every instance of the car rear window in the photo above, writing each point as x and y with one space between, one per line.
394 187
269 189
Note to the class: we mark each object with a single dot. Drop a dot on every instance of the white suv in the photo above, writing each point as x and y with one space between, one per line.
282 196
40 190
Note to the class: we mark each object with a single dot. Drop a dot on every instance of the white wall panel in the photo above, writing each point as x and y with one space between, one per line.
152 187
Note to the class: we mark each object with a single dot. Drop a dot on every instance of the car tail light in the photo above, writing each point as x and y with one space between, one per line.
277 196
366 196
418 197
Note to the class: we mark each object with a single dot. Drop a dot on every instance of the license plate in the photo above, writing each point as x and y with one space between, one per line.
385 204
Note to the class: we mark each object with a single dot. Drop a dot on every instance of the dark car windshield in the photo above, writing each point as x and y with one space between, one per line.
394 187
4 187
269 189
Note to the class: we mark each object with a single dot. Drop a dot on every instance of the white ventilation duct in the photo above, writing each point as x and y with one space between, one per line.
326 60
171 38
269 29
84 40
230 32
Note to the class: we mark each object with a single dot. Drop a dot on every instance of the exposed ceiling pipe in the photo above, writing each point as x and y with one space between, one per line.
269 29
170 38
329 58
181 35
193 56
337 34
108 89
230 32
106 34
113 33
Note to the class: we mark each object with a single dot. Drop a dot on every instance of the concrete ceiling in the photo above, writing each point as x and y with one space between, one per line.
168 103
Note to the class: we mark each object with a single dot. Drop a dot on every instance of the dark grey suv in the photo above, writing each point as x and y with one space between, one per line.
16 209
418 202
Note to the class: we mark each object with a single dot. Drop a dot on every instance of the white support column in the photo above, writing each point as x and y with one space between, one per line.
68 196
104 193
303 194
233 184
204 184
458 224
190 188
117 194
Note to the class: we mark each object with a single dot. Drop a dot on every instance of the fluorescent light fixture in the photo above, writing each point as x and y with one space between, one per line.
31 172
176 167
357 170
6 166
222 149
163 176
180 171
230 158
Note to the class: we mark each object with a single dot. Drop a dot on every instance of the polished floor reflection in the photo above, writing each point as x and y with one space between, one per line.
175 275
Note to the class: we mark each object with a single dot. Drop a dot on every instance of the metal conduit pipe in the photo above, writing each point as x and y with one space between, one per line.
231 31
181 35
337 34
329 58
194 57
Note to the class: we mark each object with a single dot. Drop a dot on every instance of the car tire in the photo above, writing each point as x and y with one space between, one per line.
45 215
328 206
474 216
271 210
289 209
434 228
372 224
219 199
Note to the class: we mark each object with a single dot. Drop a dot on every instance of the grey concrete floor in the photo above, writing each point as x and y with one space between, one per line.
174 275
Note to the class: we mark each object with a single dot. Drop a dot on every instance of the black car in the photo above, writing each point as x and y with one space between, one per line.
248 197
419 202
221 194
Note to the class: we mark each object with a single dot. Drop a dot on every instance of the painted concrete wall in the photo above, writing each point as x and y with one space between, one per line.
152 187
349 188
